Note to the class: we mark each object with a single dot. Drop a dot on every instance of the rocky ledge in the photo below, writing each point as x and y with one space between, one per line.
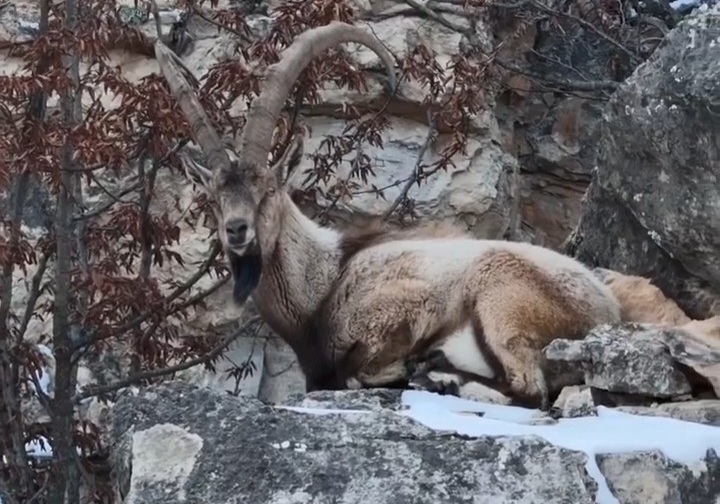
179 443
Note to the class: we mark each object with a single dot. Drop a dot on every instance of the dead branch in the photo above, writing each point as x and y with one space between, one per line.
34 294
417 174
98 390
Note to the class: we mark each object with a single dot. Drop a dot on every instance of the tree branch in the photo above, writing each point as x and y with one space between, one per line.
33 295
97 390
179 291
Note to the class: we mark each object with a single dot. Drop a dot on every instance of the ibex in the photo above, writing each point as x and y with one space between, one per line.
355 306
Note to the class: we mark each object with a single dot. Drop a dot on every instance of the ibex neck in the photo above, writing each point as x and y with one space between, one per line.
300 261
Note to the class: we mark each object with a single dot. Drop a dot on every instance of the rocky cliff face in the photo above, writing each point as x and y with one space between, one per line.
531 148
653 207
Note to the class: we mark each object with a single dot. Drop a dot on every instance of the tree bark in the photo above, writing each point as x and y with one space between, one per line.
65 470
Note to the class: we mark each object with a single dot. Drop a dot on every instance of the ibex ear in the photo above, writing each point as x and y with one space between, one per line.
196 173
289 160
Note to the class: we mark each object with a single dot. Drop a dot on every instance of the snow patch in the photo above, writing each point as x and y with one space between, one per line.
678 4
321 411
608 432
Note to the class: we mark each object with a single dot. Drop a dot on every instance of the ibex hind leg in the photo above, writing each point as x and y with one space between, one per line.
433 372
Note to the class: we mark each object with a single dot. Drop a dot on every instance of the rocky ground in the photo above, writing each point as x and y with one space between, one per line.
400 447
642 428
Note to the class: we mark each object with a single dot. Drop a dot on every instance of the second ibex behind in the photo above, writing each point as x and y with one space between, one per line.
356 305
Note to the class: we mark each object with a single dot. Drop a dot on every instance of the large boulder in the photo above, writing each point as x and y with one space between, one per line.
397 447
653 207
645 360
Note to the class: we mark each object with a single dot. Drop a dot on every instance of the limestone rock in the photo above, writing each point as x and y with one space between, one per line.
704 411
653 208
365 399
575 401
651 478
281 374
237 450
477 194
624 359
363 446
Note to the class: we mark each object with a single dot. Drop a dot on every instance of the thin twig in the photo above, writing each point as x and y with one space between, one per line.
96 390
179 291
34 295
417 170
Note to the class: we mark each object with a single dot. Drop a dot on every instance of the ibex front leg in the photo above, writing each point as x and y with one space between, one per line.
386 326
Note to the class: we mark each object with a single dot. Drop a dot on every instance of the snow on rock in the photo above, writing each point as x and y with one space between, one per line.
608 432
39 448
391 446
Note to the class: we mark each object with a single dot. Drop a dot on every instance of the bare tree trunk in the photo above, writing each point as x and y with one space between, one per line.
12 429
281 375
11 420
65 488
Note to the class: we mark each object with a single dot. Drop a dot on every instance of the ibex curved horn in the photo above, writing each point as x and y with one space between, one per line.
256 139
203 131
279 78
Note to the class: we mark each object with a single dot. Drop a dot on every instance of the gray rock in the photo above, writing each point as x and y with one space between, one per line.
651 478
368 399
704 411
227 449
653 207
575 401
624 359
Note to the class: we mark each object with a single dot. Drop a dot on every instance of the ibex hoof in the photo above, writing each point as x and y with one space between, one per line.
412 365
435 360
435 382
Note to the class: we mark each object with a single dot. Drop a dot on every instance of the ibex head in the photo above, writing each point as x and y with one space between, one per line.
238 179
236 194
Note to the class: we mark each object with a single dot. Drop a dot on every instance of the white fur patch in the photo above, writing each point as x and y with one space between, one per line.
463 352
445 254
443 377
471 390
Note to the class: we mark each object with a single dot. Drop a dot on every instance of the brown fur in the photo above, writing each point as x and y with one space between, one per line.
704 329
521 311
358 237
514 306
642 302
